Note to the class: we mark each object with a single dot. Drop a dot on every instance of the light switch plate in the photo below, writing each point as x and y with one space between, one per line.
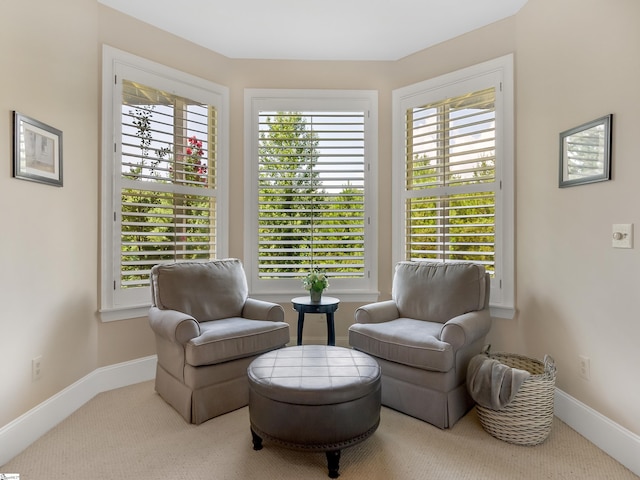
622 235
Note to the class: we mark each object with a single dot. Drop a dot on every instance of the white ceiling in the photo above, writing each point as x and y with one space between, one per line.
317 29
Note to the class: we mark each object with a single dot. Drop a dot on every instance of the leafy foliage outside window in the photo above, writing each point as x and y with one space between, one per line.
451 152
311 194
167 205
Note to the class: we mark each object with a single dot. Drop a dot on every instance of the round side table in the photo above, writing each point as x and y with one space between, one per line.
326 305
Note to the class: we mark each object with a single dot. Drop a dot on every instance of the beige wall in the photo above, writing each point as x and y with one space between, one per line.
575 294
577 60
48 268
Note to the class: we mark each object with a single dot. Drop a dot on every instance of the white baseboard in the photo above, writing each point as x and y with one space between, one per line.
616 441
26 429
16 436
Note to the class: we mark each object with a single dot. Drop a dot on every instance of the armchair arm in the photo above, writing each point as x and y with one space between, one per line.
465 329
175 326
377 312
261 310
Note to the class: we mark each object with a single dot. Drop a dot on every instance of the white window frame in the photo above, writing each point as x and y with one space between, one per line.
115 303
496 73
260 100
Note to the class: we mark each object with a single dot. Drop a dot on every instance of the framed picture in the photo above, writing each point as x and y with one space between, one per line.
37 151
585 153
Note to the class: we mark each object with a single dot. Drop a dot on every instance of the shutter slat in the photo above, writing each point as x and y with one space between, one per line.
168 205
311 193
452 142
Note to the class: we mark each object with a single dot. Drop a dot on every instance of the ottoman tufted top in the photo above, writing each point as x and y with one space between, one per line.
314 375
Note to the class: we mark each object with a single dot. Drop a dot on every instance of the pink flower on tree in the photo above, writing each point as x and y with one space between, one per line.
194 143
194 151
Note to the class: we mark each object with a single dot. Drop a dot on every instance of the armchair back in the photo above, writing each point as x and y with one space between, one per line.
437 292
205 290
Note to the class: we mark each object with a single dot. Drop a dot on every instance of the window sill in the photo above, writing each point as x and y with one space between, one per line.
285 298
115 314
503 312
126 313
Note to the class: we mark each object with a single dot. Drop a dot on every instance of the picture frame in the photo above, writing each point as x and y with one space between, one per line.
585 153
37 151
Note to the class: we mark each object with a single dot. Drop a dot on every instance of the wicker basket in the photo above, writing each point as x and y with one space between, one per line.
527 419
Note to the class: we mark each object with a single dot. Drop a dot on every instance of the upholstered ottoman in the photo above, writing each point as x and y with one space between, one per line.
314 398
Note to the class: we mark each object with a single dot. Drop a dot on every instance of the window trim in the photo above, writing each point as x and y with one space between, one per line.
111 307
256 100
497 72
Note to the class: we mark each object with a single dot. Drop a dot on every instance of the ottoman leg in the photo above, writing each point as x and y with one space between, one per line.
257 441
333 461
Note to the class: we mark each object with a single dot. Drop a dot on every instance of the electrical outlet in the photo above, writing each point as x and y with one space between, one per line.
585 368
36 368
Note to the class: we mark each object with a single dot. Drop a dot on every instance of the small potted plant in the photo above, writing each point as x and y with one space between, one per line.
315 281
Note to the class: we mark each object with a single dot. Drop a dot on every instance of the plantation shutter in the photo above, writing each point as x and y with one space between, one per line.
450 181
311 197
167 185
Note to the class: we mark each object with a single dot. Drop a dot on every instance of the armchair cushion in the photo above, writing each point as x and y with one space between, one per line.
437 292
406 341
232 338
185 286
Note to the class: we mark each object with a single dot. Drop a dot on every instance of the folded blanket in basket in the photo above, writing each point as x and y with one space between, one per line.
493 384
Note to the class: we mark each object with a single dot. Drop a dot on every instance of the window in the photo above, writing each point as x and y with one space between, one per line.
163 165
311 165
453 173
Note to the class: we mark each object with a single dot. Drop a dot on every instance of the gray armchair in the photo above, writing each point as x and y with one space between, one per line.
424 337
207 333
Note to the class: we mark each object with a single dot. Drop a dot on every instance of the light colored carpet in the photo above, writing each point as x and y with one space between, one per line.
130 433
